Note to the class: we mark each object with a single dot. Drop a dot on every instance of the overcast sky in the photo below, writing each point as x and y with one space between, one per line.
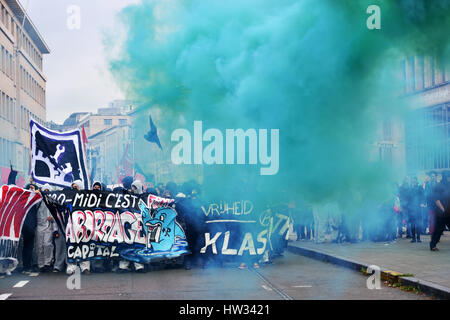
77 76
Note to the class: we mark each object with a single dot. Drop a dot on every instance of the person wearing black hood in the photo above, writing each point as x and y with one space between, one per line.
441 197
85 266
405 204
431 206
136 188
192 219
127 182
99 266
170 191
415 212
28 234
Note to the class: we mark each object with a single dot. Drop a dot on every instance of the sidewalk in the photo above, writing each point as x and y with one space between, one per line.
430 269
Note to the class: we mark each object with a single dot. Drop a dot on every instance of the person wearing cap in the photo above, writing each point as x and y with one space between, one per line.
44 235
85 266
136 188
441 195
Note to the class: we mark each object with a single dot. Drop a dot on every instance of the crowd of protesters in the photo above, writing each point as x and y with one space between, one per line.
417 208
42 247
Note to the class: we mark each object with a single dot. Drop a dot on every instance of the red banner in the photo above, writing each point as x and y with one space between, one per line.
14 205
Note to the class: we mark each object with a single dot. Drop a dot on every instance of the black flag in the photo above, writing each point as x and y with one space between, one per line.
152 135
12 176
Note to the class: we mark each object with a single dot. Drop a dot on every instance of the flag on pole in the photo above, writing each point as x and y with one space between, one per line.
57 158
152 134
12 176
84 137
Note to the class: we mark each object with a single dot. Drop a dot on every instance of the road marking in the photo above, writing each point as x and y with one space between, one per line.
222 221
33 274
5 296
301 286
266 287
20 284
270 285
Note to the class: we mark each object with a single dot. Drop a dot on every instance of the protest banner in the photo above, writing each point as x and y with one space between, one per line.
15 204
97 225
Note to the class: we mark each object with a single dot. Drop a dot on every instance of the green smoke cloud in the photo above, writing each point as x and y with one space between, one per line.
310 68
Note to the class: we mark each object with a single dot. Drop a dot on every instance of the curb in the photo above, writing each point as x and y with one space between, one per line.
426 287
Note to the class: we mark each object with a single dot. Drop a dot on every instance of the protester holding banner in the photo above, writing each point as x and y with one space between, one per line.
15 208
192 220
85 266
44 236
136 188
60 249
171 192
28 234
99 266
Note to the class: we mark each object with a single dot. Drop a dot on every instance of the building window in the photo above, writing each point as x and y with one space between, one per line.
12 67
107 122
2 110
123 122
428 72
3 59
438 74
426 136
410 78
387 130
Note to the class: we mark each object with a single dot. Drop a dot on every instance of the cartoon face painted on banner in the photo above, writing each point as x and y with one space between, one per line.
161 229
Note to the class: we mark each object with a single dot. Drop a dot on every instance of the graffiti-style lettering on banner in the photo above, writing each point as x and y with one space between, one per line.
101 225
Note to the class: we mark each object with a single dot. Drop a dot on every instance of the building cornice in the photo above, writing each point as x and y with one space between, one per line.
22 17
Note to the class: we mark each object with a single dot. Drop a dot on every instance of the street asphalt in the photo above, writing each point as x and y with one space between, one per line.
401 256
292 277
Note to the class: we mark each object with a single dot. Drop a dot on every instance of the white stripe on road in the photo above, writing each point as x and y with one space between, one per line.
20 284
221 221
301 286
266 287
5 296
33 274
